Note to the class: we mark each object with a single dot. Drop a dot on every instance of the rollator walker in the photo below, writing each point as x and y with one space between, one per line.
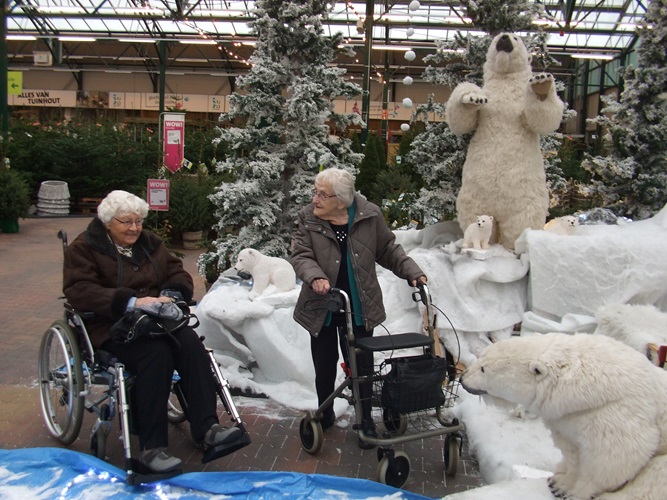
410 396
68 370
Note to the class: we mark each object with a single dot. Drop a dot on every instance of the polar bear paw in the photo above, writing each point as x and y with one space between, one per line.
475 98
541 83
556 489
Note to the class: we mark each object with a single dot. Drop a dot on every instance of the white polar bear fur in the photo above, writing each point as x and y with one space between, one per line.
478 234
503 174
635 325
604 403
564 226
266 270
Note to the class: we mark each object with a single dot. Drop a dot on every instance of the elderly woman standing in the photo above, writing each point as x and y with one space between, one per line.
114 267
339 239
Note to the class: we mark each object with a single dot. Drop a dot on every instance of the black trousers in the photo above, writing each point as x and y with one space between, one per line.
324 350
153 362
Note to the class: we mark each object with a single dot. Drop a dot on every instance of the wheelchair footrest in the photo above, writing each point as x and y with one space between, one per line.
140 474
222 450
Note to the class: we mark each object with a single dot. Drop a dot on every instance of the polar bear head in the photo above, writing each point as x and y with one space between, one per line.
507 54
566 225
555 374
485 221
569 223
247 260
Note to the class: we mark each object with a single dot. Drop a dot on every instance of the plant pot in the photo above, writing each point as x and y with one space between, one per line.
53 198
192 240
9 225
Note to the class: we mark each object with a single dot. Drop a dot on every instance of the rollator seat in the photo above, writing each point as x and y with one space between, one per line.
393 342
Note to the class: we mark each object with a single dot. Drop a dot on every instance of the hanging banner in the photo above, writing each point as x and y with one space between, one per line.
158 194
173 140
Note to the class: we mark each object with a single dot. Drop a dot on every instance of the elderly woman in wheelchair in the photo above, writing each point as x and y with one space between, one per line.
115 268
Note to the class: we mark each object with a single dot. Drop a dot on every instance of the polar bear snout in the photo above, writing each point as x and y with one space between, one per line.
504 44
472 390
468 386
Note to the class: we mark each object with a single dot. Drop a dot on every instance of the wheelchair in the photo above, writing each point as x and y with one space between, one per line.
68 370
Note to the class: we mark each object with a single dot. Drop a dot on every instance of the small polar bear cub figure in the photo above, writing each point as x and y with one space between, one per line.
478 234
604 403
564 226
265 270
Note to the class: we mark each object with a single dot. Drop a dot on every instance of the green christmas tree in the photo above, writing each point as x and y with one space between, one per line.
631 176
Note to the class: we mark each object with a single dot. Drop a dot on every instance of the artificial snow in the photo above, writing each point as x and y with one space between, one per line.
557 282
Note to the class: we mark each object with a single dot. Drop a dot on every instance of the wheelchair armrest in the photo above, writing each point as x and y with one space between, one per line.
82 314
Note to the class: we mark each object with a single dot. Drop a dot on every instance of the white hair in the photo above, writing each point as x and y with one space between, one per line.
341 181
119 203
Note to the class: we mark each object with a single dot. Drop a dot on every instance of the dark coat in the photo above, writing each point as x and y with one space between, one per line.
92 282
316 254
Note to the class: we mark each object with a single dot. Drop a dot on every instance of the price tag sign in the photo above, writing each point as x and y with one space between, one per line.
158 194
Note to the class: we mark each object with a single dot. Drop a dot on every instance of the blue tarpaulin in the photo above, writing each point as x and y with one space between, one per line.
54 473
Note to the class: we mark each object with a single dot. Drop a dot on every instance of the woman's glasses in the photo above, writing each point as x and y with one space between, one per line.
129 223
322 195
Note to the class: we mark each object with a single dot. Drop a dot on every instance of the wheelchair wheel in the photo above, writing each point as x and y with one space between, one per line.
61 382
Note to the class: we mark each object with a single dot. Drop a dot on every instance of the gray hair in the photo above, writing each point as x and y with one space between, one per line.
119 203
341 181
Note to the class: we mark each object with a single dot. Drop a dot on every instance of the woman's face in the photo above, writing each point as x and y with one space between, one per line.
326 205
125 230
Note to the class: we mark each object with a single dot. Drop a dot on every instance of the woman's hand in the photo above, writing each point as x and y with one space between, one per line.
421 279
144 301
321 286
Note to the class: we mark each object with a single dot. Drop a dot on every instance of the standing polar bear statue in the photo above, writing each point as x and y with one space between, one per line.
265 271
503 174
604 403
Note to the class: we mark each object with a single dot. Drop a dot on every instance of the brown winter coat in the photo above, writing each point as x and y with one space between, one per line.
91 281
315 254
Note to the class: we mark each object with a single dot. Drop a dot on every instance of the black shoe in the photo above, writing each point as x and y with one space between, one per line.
157 460
328 420
369 431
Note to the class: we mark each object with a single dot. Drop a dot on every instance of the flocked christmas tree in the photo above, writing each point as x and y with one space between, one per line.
284 130
437 153
632 177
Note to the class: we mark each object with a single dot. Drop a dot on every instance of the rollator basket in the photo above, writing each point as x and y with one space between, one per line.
414 383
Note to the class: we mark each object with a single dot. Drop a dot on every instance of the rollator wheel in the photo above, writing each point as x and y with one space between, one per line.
395 470
396 424
61 382
452 450
312 435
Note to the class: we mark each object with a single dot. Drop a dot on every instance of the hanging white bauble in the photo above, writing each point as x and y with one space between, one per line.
411 31
414 5
407 103
407 80
405 127
410 55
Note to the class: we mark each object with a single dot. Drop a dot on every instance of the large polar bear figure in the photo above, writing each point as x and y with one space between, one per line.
503 174
265 271
604 403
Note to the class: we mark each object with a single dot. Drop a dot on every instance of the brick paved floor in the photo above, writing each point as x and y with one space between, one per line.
31 274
